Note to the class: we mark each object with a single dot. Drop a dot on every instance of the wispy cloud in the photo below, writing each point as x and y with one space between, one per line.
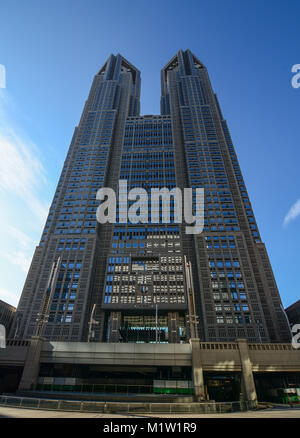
22 238
293 213
23 195
18 258
21 171
9 297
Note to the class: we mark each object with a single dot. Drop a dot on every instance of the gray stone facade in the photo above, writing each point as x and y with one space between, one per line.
135 274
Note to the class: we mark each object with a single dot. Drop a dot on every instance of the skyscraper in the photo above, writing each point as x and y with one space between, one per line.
134 282
7 313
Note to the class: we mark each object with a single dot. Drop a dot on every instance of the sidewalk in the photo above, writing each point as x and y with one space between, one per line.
34 413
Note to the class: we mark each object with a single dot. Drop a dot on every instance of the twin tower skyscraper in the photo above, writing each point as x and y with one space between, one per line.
151 282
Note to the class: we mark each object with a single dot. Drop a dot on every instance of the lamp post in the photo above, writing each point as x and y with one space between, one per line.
287 320
156 323
43 315
258 328
92 322
193 318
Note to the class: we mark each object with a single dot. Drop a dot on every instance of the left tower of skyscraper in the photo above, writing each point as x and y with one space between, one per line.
69 237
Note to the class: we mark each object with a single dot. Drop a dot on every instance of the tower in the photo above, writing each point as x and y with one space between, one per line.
133 277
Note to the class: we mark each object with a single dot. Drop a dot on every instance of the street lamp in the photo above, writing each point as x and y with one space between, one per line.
92 322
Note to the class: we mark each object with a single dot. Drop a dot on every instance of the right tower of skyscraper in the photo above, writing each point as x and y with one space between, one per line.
235 290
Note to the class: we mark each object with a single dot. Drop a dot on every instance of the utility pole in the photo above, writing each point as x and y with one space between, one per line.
43 315
193 318
18 318
287 320
156 323
92 322
258 329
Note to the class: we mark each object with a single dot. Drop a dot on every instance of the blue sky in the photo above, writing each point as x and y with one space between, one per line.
51 51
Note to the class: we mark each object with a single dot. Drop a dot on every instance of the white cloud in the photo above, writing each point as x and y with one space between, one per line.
9 297
18 258
293 213
21 172
22 238
22 194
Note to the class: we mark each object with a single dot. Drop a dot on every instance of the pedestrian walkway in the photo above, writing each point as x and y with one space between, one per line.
34 413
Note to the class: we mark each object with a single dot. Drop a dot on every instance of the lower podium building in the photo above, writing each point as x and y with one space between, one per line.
188 372
177 291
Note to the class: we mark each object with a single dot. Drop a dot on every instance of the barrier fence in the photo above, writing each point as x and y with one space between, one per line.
124 407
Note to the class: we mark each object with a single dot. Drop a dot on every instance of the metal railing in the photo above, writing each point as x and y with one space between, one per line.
17 343
218 346
124 407
271 347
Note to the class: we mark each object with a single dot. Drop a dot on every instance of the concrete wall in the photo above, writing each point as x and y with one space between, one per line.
117 354
214 356
200 356
220 356
14 354
274 357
